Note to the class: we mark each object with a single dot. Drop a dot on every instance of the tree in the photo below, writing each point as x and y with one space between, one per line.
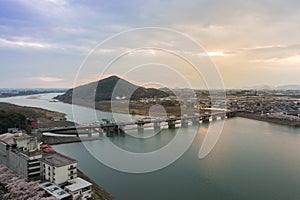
19 189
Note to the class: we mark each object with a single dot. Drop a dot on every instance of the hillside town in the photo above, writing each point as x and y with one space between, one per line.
265 105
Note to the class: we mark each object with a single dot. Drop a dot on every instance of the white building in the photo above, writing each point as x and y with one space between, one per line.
80 189
55 191
58 168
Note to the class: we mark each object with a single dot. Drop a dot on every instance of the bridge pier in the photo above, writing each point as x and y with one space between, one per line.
171 123
184 123
205 119
230 114
140 127
111 130
121 129
100 132
195 121
90 131
156 125
214 117
222 116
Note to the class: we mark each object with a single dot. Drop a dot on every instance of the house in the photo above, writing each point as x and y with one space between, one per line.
33 123
79 189
58 168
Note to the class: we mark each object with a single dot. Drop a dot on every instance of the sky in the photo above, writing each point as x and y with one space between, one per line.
59 43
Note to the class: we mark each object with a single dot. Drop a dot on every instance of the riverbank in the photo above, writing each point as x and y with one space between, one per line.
268 119
99 192
53 140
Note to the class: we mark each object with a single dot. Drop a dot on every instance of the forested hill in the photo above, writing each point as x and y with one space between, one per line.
13 116
111 88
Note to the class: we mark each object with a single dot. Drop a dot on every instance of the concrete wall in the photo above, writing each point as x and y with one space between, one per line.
18 164
13 160
3 153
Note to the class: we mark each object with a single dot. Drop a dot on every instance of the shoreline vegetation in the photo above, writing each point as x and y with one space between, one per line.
14 116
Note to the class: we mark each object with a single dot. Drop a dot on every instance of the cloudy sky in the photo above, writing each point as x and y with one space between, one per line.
44 43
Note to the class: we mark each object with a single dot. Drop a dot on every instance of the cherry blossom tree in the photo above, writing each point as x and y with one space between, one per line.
18 188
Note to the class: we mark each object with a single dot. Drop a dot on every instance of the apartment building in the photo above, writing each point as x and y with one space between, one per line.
58 168
20 152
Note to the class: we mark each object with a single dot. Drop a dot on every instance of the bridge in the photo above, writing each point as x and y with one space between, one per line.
110 127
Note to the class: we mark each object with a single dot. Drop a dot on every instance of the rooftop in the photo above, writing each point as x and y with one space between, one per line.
54 190
58 160
78 184
10 138
7 138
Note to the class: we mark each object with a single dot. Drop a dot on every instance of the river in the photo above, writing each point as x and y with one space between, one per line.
251 160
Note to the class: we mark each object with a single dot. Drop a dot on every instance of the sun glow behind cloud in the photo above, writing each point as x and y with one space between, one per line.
45 79
294 59
213 53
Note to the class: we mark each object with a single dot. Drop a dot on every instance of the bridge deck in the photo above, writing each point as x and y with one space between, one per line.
138 122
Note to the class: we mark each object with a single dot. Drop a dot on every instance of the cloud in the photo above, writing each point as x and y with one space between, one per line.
45 79
19 43
289 60
275 46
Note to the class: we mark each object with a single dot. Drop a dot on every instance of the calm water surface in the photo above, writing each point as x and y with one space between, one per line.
252 160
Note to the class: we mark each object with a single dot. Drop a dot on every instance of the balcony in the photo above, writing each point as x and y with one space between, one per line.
34 167
34 173
30 162
72 173
34 164
72 167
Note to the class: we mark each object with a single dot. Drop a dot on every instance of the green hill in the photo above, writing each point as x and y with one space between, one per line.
111 88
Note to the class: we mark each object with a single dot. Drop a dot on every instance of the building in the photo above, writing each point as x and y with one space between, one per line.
20 152
55 191
58 168
79 189
33 123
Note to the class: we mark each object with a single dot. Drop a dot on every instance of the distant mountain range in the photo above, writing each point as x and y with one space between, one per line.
111 88
268 87
11 92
